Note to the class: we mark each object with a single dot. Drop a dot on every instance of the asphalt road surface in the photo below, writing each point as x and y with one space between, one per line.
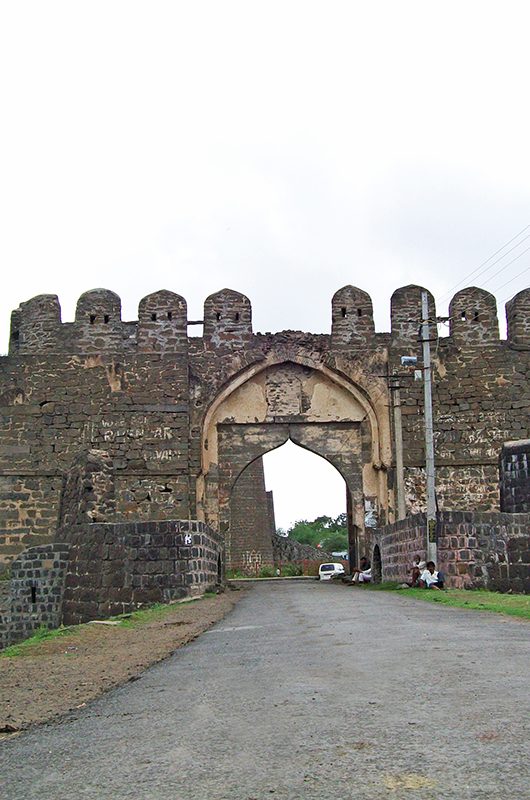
306 690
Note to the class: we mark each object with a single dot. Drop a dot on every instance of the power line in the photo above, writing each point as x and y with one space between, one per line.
480 266
505 266
512 279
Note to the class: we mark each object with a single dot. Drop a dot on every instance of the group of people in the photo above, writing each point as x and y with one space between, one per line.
423 574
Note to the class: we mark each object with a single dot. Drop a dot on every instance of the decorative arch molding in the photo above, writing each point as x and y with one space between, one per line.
375 414
264 396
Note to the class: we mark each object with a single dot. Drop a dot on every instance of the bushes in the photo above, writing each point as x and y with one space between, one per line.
267 572
288 570
291 570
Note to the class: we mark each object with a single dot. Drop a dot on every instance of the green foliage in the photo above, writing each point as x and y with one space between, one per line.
267 572
335 542
291 570
5 575
42 634
328 532
233 574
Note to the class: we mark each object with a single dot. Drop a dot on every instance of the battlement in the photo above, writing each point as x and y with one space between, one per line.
36 326
518 318
405 315
352 318
473 317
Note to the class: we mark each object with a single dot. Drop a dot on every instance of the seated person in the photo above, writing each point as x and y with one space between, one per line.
430 578
418 566
364 574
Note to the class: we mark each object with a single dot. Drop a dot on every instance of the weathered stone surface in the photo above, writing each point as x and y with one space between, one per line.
514 464
475 549
249 538
174 415
116 567
36 591
288 551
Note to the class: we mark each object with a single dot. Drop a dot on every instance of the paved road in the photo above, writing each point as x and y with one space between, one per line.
305 690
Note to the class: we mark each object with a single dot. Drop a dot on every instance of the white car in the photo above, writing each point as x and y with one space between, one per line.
328 571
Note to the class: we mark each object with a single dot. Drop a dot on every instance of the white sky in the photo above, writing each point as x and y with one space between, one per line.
282 149
305 485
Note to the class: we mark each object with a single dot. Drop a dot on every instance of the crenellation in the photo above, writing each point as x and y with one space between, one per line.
162 323
98 327
39 324
352 318
227 319
406 318
473 317
518 319
171 415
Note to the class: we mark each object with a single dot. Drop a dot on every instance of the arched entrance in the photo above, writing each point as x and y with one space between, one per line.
320 410
377 567
253 510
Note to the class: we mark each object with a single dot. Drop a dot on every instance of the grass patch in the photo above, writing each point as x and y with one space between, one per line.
514 605
42 634
157 611
291 570
132 620
5 575
234 574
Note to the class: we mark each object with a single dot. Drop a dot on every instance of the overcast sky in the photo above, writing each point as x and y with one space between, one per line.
283 149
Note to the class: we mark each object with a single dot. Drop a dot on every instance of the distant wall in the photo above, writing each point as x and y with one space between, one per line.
248 543
288 551
475 550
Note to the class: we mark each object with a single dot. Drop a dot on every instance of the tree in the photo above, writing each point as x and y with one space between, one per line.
327 532
336 542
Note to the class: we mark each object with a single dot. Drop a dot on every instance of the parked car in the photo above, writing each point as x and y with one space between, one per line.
328 571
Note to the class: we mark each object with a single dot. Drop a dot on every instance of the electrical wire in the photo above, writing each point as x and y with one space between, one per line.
511 280
505 267
480 266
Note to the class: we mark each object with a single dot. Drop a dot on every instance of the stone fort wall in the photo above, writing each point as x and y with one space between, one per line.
105 569
484 550
139 392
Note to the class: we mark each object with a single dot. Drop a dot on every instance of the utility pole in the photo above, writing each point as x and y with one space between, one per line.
429 434
398 435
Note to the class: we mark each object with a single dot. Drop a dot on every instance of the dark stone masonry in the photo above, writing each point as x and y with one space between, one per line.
515 477
36 592
105 422
483 550
115 568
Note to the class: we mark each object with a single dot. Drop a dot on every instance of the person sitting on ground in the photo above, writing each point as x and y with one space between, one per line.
431 578
364 574
418 567
415 573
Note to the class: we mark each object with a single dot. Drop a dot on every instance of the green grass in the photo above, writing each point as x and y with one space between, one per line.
42 634
131 620
154 612
233 574
515 605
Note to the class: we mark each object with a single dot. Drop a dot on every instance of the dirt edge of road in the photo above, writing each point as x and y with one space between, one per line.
65 673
